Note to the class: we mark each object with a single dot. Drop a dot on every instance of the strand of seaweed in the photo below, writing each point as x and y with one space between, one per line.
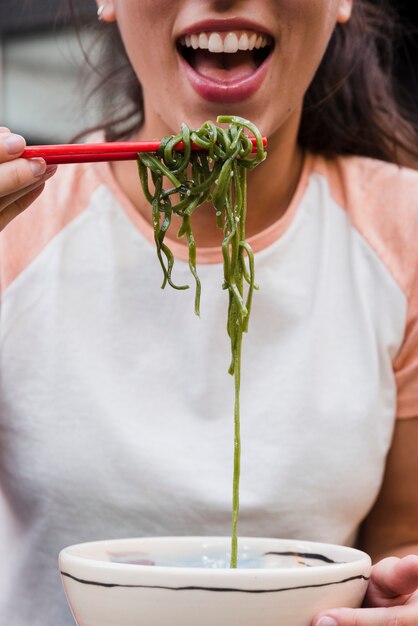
218 174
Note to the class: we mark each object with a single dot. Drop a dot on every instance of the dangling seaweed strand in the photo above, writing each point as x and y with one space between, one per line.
217 174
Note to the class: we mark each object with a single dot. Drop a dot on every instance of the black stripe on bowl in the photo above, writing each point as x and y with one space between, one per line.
221 589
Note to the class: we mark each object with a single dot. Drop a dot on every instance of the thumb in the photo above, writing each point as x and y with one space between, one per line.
406 615
392 581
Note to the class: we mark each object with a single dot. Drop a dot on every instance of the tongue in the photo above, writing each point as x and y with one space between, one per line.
223 66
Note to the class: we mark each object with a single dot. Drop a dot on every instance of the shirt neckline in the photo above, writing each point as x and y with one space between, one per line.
211 255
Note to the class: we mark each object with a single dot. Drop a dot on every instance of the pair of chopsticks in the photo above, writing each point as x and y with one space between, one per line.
91 152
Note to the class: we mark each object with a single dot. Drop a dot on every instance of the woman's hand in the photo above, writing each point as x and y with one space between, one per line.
21 180
391 599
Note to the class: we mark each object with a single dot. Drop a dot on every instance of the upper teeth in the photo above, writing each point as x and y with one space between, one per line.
225 41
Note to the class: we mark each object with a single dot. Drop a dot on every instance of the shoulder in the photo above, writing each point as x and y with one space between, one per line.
65 197
381 202
383 185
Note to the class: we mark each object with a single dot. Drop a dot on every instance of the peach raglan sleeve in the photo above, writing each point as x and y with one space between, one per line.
383 204
406 362
65 197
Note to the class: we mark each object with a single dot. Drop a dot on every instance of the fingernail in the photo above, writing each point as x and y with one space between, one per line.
14 144
51 169
38 166
326 621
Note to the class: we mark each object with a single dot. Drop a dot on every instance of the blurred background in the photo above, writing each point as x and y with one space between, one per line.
41 61
40 68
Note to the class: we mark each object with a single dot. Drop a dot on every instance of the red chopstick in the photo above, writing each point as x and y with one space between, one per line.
90 152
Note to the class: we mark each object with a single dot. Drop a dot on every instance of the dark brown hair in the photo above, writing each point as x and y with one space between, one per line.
351 107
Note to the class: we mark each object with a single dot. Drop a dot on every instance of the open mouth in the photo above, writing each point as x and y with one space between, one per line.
225 57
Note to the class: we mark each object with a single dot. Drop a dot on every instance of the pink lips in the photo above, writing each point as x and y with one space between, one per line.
228 91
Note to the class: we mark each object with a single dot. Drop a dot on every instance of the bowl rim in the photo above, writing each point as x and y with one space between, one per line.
67 556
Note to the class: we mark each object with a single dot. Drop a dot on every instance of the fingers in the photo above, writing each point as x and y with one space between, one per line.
13 204
20 204
20 173
18 191
21 180
399 616
392 598
16 173
11 145
392 581
4 202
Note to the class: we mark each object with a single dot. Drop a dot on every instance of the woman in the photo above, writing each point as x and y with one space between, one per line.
115 403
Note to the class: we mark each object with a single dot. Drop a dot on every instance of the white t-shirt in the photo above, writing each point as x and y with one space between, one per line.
116 409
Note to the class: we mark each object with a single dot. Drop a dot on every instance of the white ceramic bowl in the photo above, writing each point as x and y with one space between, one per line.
186 581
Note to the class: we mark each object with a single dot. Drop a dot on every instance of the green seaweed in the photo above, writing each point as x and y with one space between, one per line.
217 172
